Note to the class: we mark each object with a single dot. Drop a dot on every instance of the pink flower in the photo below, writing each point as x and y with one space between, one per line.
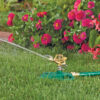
85 47
10 19
65 37
41 14
76 39
98 51
95 52
97 25
89 13
99 16
10 38
36 45
57 24
38 25
11 15
71 24
94 21
71 15
10 22
80 51
31 18
83 36
46 39
63 40
32 39
87 23
98 45
76 4
45 13
25 18
80 15
70 47
95 56
92 16
91 4
91 50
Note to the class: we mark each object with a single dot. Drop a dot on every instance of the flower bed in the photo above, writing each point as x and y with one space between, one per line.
78 31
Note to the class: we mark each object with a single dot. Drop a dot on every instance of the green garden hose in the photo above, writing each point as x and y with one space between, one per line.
89 73
67 76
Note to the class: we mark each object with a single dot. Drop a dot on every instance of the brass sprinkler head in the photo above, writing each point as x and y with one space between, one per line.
60 60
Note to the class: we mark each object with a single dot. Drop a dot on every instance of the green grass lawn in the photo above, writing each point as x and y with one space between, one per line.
20 71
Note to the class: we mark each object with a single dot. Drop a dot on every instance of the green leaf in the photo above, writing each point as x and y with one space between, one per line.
97 41
92 38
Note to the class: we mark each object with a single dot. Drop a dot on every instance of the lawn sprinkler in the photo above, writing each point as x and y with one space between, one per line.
60 75
60 60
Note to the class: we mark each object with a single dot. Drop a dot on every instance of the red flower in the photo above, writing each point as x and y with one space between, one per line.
95 52
97 25
91 4
83 36
63 40
99 16
57 24
70 47
76 39
65 37
38 25
10 38
89 13
91 50
84 48
94 21
80 51
25 18
87 23
10 19
92 16
31 18
11 15
98 45
46 39
71 15
36 45
41 14
10 22
32 39
71 24
80 15
76 4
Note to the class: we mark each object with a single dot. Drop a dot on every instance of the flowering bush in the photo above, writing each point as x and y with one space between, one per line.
40 28
95 51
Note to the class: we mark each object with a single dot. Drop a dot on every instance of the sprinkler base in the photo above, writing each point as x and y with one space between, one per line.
57 75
